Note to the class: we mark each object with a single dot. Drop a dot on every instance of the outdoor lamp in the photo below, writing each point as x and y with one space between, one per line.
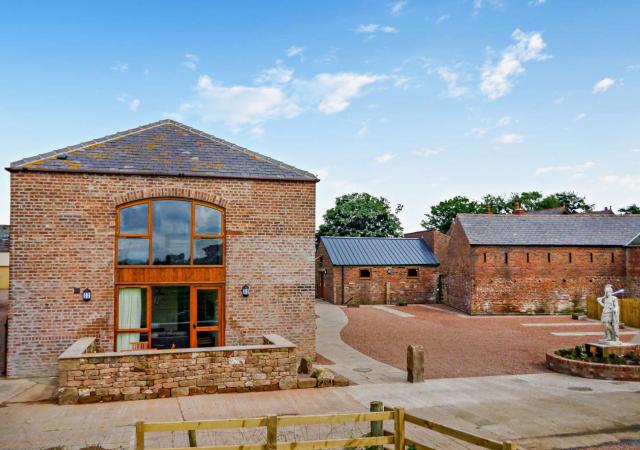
86 295
245 290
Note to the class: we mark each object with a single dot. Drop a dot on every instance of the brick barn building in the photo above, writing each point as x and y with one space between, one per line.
180 239
537 263
371 270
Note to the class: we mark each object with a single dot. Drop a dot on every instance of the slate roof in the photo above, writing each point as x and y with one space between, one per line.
552 230
373 251
163 148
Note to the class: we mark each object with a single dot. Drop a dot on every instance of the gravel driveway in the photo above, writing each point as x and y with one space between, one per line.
458 345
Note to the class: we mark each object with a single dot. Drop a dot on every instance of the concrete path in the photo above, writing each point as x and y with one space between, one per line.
540 411
349 362
389 310
20 390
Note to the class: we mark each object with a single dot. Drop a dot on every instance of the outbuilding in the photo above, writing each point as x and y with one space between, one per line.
159 237
375 270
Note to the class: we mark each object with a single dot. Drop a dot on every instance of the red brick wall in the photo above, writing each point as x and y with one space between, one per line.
456 271
633 272
63 237
540 286
438 242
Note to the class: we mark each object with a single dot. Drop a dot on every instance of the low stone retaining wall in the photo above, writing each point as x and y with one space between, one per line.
587 369
85 376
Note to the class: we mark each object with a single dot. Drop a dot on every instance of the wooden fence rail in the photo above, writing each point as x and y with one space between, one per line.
376 439
629 310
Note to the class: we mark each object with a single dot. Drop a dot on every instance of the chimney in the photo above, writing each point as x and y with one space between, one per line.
487 209
517 210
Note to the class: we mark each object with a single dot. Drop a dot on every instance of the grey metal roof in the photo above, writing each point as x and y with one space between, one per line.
374 251
556 229
163 148
635 242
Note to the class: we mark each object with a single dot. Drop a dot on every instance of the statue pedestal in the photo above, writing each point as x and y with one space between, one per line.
604 349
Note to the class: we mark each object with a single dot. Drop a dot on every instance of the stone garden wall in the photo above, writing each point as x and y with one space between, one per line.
86 377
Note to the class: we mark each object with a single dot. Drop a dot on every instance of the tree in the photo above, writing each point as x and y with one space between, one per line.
360 214
573 202
631 209
498 204
444 213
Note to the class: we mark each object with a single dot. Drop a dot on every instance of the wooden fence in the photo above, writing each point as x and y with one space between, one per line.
629 310
377 439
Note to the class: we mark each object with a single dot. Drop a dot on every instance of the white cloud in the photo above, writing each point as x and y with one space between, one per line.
503 121
397 7
279 74
631 182
362 131
257 131
373 28
294 50
120 67
603 85
240 105
333 92
574 169
510 138
580 116
134 105
478 132
451 78
190 61
479 4
633 68
384 158
536 2
497 79
558 101
442 18
426 152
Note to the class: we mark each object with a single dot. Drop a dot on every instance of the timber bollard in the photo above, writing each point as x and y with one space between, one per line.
415 363
376 426
193 439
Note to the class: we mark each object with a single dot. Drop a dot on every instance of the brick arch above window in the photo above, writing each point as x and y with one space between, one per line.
142 194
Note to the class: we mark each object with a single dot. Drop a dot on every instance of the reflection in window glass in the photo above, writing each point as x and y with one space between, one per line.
170 317
207 338
132 341
208 221
207 308
171 232
207 251
132 251
134 219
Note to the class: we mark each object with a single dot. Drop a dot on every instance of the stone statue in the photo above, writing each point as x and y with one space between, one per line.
610 315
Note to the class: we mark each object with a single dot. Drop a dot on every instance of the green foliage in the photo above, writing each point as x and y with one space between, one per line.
361 215
444 213
631 209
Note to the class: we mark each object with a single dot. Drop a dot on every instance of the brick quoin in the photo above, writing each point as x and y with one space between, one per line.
63 236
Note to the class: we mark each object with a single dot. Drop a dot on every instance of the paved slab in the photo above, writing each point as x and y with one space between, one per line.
562 324
348 362
590 333
393 311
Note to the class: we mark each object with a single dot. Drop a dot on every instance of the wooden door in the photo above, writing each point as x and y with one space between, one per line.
207 316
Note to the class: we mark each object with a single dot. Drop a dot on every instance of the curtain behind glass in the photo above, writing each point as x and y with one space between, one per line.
129 316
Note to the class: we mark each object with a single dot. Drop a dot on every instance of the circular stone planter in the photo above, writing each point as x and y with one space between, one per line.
587 369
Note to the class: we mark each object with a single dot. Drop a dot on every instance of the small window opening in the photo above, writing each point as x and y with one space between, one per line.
613 257
591 257
548 257
506 258
412 272
528 260
570 258
365 273
485 257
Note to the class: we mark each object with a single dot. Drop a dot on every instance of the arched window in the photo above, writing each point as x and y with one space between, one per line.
172 232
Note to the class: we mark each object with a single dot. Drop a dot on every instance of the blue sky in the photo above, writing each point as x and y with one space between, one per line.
416 101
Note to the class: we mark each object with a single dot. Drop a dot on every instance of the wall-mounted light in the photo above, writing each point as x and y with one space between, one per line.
245 290
86 295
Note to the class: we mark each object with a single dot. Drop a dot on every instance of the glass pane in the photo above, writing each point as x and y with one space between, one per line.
134 219
207 338
133 251
207 308
132 308
170 317
207 251
132 341
171 232
208 220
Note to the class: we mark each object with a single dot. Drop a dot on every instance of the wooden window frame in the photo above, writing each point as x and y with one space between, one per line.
149 234
413 268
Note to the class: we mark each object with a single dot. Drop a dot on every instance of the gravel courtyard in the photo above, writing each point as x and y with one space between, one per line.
457 345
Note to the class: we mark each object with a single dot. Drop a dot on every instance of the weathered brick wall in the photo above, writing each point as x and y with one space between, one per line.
323 264
456 271
63 229
438 242
101 377
524 281
633 272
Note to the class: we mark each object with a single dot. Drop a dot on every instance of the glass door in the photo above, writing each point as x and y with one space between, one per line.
207 317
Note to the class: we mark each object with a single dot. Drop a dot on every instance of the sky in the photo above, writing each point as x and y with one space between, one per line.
416 101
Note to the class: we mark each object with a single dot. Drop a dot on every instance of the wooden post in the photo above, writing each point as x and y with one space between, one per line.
193 439
399 428
377 428
272 432
139 435
415 363
508 445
